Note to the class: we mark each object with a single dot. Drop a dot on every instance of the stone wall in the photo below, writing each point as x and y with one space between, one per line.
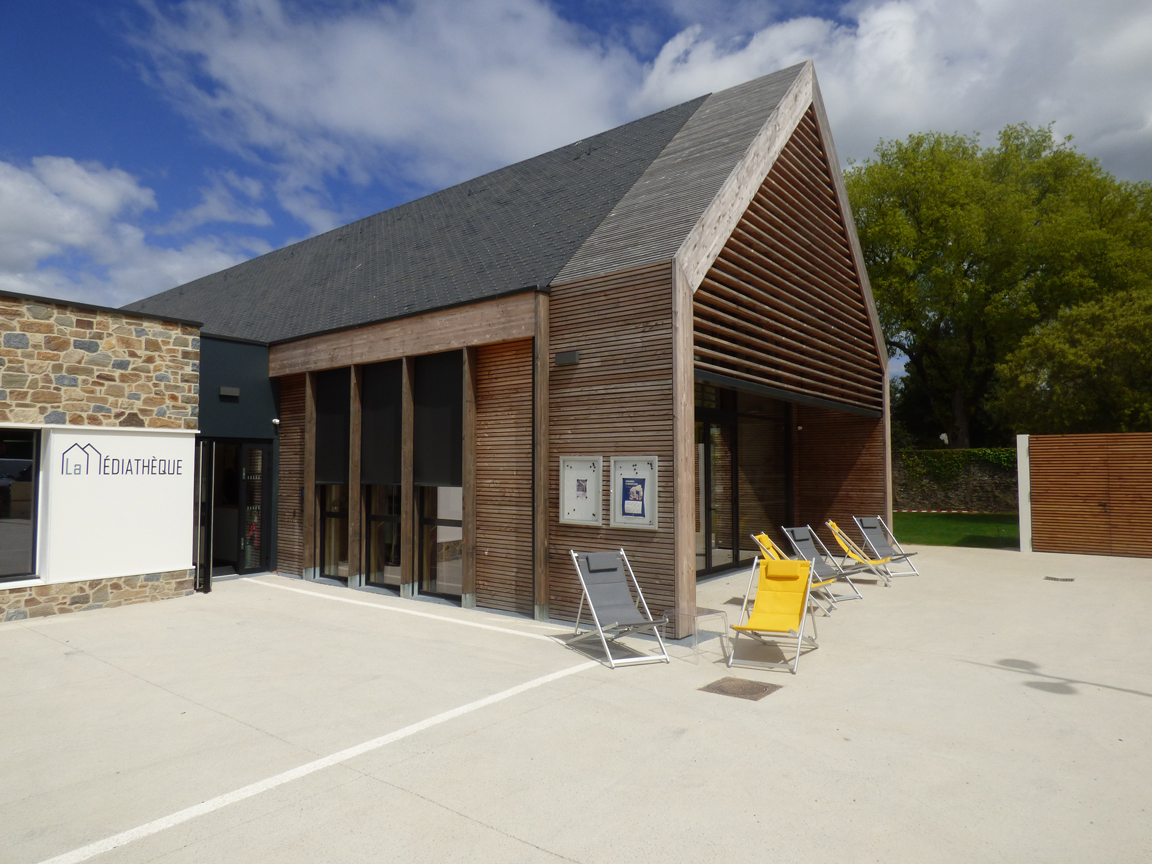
977 485
70 365
38 601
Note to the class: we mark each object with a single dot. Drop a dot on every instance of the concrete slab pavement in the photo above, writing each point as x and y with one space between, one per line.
975 713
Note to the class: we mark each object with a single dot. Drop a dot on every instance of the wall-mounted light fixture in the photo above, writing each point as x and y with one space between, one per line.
567 358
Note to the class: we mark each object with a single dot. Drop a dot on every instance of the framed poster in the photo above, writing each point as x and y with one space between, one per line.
634 492
581 490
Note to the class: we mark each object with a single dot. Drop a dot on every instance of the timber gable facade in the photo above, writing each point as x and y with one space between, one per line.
688 289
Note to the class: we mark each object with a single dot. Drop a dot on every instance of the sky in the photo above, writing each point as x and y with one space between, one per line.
145 143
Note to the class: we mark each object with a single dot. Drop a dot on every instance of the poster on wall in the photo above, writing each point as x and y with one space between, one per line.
581 490
115 503
634 492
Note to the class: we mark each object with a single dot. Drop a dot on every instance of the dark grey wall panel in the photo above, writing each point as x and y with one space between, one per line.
333 425
380 406
438 399
237 366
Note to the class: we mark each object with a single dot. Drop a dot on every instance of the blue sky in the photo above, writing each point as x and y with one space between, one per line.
144 143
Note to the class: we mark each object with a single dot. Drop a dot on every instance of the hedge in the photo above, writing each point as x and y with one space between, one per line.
944 466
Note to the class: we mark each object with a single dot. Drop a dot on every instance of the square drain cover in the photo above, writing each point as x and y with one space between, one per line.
741 688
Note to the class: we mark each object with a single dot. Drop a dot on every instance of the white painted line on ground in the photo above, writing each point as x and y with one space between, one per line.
387 608
221 801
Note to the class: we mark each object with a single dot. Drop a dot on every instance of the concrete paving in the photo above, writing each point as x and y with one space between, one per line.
975 713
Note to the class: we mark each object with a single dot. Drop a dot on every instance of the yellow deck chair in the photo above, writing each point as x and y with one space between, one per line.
774 552
853 551
778 610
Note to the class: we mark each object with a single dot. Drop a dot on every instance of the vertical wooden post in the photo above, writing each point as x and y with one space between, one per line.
355 508
887 421
407 489
683 454
309 568
540 458
468 578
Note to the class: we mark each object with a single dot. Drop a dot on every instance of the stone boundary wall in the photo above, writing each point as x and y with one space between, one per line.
63 364
977 485
39 601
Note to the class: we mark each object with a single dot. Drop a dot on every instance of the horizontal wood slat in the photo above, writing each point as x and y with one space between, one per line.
839 469
1092 494
782 305
290 519
617 401
504 476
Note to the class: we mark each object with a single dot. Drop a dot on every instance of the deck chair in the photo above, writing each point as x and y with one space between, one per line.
778 610
881 542
853 551
825 569
820 585
604 578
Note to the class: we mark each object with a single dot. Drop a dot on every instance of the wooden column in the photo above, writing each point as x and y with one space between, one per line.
407 489
468 579
309 564
355 539
540 362
683 453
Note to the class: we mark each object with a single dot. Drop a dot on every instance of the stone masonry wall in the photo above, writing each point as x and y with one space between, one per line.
38 601
64 364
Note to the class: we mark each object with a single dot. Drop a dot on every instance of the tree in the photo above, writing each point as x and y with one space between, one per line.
1090 370
970 249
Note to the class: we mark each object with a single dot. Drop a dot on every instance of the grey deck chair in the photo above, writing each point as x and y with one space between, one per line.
878 537
811 548
604 578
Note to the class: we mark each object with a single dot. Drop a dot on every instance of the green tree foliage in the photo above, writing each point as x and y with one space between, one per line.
971 249
1090 370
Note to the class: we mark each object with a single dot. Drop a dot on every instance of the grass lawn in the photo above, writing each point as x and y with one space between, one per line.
988 530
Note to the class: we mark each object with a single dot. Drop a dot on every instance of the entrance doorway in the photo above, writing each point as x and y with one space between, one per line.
743 475
232 491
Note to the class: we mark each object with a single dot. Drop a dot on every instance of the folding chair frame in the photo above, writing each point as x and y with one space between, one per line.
841 572
853 551
618 630
765 636
901 555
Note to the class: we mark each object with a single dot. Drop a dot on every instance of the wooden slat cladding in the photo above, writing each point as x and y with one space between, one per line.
290 531
782 305
1091 494
839 469
504 476
617 401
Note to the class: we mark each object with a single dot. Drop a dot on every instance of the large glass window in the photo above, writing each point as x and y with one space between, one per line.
19 470
742 474
441 547
382 523
332 505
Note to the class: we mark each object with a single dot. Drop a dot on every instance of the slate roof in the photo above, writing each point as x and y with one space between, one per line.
643 185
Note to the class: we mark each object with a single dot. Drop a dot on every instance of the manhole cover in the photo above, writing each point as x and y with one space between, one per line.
741 688
1059 579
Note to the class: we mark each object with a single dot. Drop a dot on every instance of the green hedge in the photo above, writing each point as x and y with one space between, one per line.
944 466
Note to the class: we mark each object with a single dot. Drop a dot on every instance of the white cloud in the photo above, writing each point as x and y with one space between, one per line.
67 230
218 203
423 94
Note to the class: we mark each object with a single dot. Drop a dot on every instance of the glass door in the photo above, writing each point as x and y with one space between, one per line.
254 459
716 539
440 544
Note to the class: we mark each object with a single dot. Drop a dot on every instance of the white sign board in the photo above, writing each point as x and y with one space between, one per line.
634 492
115 503
581 490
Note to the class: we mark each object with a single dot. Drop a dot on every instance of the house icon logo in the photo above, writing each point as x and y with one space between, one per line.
77 459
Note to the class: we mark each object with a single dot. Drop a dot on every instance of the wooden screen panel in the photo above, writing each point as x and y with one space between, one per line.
504 476
617 401
290 519
838 468
782 305
1091 494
